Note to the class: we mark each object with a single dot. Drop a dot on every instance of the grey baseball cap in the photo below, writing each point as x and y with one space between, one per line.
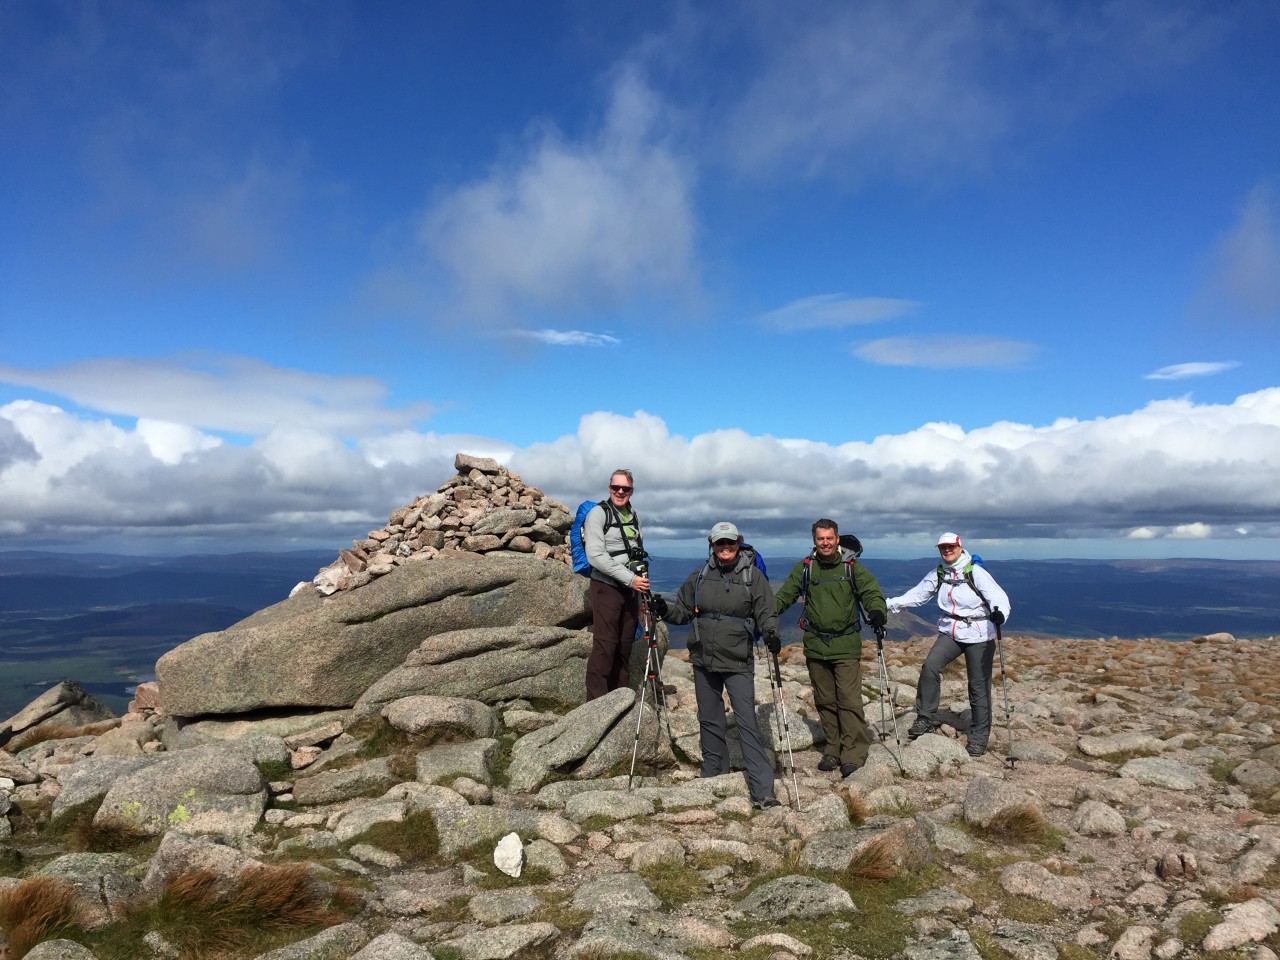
724 530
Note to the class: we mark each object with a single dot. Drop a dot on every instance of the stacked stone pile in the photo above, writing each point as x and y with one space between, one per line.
483 509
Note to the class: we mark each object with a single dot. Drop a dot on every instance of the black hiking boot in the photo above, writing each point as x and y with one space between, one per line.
847 768
768 803
921 727
828 763
976 749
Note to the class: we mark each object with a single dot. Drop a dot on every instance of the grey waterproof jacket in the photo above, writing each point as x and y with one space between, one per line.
726 607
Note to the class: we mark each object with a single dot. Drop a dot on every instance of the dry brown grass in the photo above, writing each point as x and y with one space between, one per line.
38 909
1021 824
51 731
857 806
264 898
881 859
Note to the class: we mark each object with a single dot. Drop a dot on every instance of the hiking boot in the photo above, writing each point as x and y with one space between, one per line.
768 803
847 768
921 727
828 763
976 749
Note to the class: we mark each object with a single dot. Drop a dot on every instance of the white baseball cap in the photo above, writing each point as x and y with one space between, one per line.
724 530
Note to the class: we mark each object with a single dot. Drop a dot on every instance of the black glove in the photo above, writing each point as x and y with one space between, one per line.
658 606
997 617
876 619
773 643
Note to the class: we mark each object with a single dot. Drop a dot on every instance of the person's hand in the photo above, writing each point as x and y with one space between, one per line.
895 607
876 619
640 584
659 606
773 643
997 617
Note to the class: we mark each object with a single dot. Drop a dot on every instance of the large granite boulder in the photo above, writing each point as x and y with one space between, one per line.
492 665
319 651
67 705
202 790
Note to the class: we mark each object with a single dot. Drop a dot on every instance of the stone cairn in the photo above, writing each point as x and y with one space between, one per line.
483 509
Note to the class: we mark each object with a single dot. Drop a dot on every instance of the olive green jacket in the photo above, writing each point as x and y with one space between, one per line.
832 608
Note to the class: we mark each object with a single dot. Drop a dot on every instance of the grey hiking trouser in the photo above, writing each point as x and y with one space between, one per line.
709 687
977 661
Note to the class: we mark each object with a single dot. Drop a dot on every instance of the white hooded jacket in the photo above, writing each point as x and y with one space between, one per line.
961 607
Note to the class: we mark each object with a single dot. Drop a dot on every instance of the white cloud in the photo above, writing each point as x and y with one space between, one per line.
835 310
1181 371
946 352
1170 464
566 338
1248 258
916 87
573 226
1173 470
224 393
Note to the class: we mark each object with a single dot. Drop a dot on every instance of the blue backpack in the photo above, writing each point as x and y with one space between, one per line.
580 563
578 547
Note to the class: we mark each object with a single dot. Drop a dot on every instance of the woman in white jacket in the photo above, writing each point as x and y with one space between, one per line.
967 626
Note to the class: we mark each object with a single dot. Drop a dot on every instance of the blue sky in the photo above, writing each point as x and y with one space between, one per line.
1004 268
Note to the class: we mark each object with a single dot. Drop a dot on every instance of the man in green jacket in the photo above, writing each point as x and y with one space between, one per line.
832 584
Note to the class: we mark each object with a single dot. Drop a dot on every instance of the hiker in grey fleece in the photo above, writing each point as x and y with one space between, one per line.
727 599
614 547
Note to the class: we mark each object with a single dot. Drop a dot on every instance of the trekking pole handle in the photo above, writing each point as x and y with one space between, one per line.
880 635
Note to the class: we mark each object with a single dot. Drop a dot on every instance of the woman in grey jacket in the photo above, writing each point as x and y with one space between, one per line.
726 600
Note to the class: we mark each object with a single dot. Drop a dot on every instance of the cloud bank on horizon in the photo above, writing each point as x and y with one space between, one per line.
919 264
1173 469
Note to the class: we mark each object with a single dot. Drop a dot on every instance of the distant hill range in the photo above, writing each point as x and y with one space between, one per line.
104 619
1171 599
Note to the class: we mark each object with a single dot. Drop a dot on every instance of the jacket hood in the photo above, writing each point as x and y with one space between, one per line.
745 558
843 555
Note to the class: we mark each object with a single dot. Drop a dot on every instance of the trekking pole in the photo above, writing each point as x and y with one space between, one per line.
652 681
886 697
777 718
1010 760
786 728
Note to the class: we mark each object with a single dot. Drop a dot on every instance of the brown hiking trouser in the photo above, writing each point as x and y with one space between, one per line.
615 613
837 694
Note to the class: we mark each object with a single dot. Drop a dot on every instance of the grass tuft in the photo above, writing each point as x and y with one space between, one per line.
1020 824
879 860
210 917
38 909
1194 927
674 883
76 830
414 839
856 804
11 861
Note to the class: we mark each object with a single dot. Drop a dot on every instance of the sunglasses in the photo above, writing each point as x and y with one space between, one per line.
616 488
725 543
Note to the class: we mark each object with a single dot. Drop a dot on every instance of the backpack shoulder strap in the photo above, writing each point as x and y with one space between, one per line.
968 578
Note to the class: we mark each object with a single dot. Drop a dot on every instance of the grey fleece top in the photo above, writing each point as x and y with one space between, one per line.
606 550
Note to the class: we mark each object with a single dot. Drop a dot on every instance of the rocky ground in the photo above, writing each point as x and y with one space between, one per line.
1139 819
